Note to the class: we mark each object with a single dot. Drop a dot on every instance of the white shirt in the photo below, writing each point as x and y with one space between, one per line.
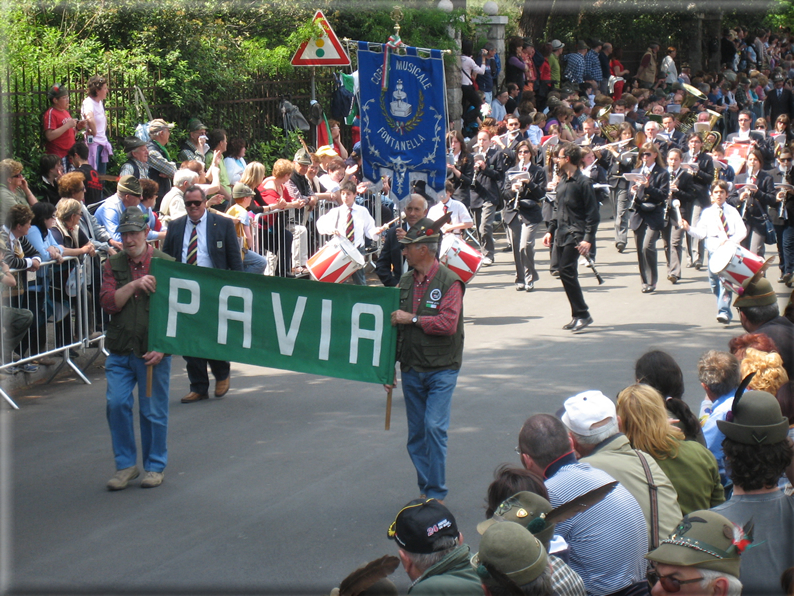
458 210
172 206
203 255
329 183
336 219
234 169
710 227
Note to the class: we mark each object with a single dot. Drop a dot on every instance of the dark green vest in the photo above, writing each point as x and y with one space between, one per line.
418 350
128 331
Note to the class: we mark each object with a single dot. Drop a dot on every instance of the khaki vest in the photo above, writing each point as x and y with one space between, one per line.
415 348
128 330
649 74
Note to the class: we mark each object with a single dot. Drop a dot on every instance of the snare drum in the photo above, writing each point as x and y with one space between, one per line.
734 264
460 258
336 261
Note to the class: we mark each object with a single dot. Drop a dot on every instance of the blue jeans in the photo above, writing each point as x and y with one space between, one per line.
723 295
123 372
428 399
254 262
788 249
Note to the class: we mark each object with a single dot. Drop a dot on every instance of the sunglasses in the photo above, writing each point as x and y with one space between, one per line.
522 151
670 584
17 175
781 159
193 203
647 154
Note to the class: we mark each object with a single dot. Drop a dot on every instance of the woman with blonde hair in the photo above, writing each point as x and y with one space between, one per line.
690 466
770 375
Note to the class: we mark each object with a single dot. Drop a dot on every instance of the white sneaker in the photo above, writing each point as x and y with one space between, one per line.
723 319
487 261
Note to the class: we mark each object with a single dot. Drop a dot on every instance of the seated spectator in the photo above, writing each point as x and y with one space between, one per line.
72 186
767 369
436 562
234 160
512 561
149 191
50 169
194 148
14 188
173 203
524 507
608 541
593 426
691 467
758 452
66 230
660 370
137 164
207 180
509 480
252 262
59 126
719 375
16 321
336 175
78 157
701 557
128 193
40 235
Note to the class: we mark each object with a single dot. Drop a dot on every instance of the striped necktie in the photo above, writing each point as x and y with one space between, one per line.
350 230
724 221
446 208
192 245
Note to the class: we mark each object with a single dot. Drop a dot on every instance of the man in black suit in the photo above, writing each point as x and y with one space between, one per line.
389 265
778 101
490 164
205 239
674 136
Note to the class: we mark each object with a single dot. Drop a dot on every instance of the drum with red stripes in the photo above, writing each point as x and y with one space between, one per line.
460 258
734 264
336 261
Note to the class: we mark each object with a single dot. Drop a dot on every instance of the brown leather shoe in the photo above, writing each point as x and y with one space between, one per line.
193 396
221 387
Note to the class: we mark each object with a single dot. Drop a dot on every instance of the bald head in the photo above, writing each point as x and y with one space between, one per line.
416 209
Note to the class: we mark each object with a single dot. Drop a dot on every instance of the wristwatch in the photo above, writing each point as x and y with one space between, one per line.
415 320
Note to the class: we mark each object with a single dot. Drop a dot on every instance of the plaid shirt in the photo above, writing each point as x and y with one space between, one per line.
107 296
574 68
564 580
446 321
592 67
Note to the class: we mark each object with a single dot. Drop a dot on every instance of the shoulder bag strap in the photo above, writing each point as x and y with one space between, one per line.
653 491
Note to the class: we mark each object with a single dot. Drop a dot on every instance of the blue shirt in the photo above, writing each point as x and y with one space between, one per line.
42 244
607 542
574 68
592 67
109 213
709 414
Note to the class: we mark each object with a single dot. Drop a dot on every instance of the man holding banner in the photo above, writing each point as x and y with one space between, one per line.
430 352
126 286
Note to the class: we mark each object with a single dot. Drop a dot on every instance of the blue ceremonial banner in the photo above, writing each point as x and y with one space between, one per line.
403 125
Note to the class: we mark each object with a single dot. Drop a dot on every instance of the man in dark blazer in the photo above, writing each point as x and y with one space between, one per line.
778 101
214 244
389 265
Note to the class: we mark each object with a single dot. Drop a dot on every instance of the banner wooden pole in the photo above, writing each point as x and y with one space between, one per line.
388 409
149 378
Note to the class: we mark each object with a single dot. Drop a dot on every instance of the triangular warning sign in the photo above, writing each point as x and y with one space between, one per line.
321 51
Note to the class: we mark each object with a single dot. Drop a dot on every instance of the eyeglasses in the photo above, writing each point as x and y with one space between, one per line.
560 156
670 584
193 203
781 159
17 175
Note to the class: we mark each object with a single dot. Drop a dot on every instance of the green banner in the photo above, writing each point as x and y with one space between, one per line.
337 330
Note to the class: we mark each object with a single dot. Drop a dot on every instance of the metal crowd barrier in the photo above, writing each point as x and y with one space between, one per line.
64 301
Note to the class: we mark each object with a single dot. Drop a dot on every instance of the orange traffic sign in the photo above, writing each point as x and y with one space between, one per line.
321 51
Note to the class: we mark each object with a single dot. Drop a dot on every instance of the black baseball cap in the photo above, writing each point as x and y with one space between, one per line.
420 524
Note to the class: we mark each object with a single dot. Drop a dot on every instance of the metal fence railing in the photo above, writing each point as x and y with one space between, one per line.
63 299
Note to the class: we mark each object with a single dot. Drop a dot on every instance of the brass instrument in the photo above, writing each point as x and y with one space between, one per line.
610 132
693 95
708 146
713 118
687 121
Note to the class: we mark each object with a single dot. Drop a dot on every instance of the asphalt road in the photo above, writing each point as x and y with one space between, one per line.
290 482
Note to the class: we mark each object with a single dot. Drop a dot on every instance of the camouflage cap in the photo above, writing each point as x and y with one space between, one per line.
133 220
511 550
523 508
241 190
703 539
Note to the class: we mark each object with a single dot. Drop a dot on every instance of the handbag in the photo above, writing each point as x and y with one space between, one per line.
648 207
770 236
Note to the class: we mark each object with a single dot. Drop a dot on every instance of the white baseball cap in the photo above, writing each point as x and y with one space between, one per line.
584 410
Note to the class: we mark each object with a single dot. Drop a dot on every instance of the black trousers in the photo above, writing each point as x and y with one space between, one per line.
197 372
568 259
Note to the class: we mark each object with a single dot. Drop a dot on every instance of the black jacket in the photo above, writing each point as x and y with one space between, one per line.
224 251
462 184
758 202
703 178
530 197
686 194
576 214
487 183
656 193
389 265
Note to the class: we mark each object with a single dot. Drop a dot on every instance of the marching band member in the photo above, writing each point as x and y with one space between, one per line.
461 218
703 176
624 157
776 213
682 189
669 131
522 214
718 224
489 168
647 219
753 192
461 171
